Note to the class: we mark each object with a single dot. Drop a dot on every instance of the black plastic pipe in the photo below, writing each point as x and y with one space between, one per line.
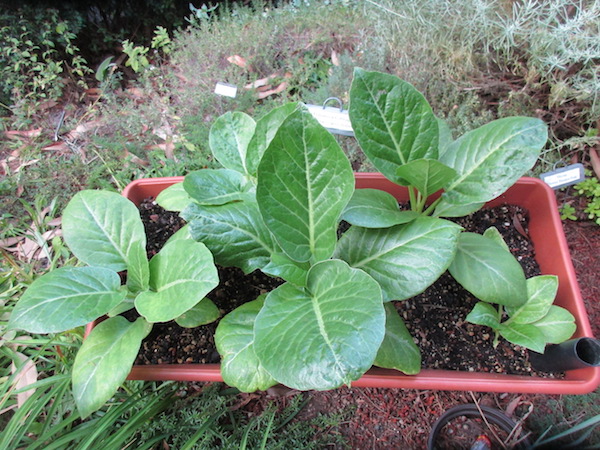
573 354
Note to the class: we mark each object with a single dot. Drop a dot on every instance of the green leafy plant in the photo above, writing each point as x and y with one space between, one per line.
590 188
105 232
278 201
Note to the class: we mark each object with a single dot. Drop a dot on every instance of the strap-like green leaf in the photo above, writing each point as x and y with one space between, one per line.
234 338
104 361
489 160
304 183
398 350
66 298
100 228
392 121
485 269
181 274
405 259
373 208
229 137
325 335
235 234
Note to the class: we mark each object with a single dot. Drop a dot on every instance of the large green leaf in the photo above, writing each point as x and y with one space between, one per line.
101 227
216 187
557 325
398 350
266 128
484 268
283 267
524 335
325 335
541 292
66 298
200 314
427 175
235 234
373 208
304 183
392 121
405 259
234 338
104 361
229 137
489 160
174 198
181 274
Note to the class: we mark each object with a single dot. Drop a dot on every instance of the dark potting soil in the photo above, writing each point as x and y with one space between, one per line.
435 318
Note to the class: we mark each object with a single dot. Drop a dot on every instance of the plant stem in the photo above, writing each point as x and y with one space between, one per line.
432 207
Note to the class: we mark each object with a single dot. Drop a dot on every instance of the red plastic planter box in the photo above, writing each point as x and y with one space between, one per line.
552 254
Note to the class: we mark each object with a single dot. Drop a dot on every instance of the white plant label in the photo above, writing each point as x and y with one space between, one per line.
335 120
565 176
226 90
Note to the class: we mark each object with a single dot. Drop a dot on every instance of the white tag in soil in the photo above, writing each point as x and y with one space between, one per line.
335 120
226 90
564 176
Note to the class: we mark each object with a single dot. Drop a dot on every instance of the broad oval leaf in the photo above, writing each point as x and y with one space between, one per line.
493 233
489 160
427 175
266 128
66 298
181 274
325 335
484 314
526 336
304 183
398 350
392 121
200 314
485 269
234 338
104 361
101 227
374 208
541 291
229 137
235 234
216 186
557 325
405 259
174 198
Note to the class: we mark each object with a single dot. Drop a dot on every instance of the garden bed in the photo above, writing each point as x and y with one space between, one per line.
435 317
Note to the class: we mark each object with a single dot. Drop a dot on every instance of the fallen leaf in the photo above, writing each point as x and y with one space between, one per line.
57 147
335 59
82 129
238 61
27 375
280 88
16 134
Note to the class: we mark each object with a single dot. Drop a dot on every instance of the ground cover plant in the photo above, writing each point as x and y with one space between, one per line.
467 76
